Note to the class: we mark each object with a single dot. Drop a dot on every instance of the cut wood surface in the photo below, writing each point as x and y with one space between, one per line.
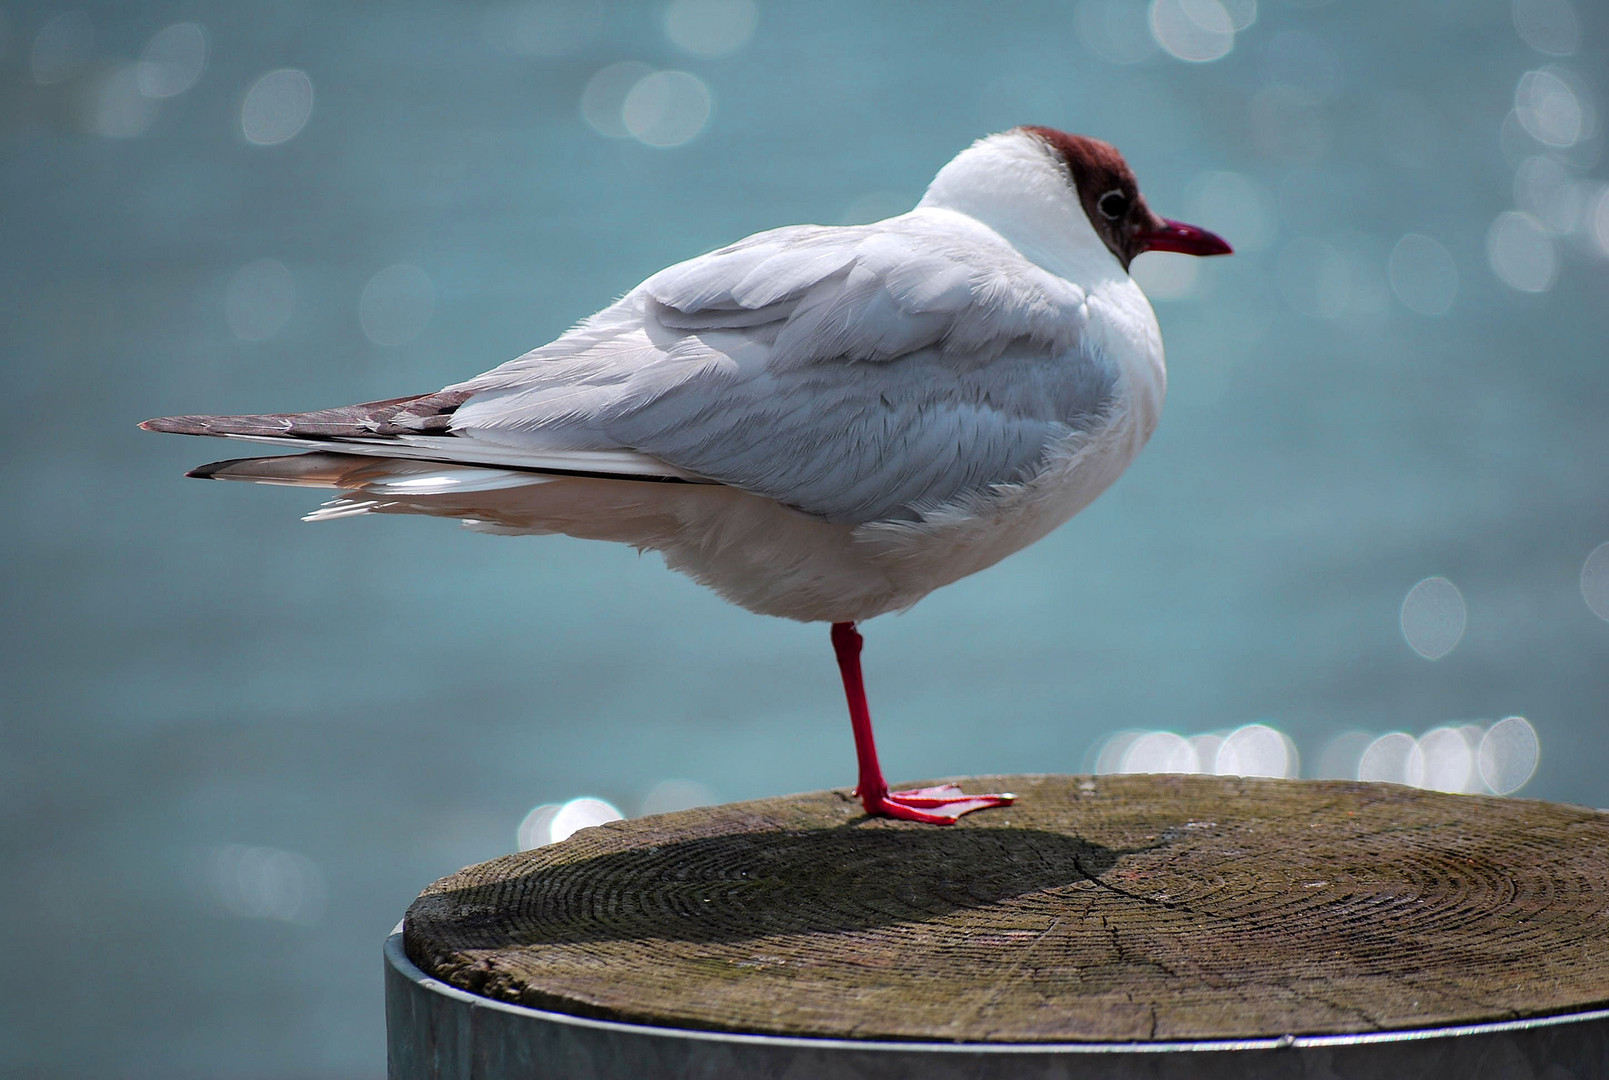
1102 909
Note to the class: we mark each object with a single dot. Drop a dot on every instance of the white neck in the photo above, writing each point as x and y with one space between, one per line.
1018 186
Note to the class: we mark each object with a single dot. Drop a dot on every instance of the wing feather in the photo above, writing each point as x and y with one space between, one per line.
856 374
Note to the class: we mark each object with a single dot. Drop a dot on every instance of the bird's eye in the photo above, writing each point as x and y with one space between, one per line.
1113 205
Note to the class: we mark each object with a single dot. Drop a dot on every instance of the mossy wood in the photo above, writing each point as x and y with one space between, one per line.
1095 909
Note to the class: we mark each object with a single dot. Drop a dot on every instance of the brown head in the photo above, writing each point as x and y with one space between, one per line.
1112 201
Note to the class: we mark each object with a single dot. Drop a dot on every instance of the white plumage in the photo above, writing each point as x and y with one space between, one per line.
820 423
874 410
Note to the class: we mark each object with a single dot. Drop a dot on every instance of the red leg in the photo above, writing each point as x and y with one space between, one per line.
935 805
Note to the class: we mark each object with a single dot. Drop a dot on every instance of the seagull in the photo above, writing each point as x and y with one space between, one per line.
822 423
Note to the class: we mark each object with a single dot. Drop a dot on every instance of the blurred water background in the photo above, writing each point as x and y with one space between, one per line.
1366 540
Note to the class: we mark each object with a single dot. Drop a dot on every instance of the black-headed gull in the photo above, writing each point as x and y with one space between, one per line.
824 423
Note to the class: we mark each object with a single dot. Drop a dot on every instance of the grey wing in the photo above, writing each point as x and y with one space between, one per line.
856 374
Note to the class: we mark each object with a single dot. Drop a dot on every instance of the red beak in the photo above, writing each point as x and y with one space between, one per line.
1185 239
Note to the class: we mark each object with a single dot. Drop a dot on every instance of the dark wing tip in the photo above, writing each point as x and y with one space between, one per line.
211 470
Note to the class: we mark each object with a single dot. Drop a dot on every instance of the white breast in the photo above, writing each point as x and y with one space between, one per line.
976 533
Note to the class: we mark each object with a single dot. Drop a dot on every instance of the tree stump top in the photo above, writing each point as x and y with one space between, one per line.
1105 909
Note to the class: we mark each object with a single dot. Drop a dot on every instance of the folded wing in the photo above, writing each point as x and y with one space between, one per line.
855 374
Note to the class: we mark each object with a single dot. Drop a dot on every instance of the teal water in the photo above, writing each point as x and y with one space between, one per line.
236 746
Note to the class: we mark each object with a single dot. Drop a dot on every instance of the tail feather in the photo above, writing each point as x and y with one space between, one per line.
372 475
416 428
512 501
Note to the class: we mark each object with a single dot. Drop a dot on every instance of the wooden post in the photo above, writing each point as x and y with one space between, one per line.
1095 913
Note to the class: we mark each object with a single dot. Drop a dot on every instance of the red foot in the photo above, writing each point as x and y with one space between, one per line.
933 805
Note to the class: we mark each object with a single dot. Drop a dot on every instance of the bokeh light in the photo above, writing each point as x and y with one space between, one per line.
1595 581
659 108
396 304
1448 757
666 108
277 107
536 828
711 28
1197 31
1160 752
1467 758
1433 617
1598 222
1548 191
1257 750
1393 758
1551 106
1508 756
1251 750
552 822
61 48
605 95
1109 755
1521 252
1423 274
173 60
260 299
578 814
